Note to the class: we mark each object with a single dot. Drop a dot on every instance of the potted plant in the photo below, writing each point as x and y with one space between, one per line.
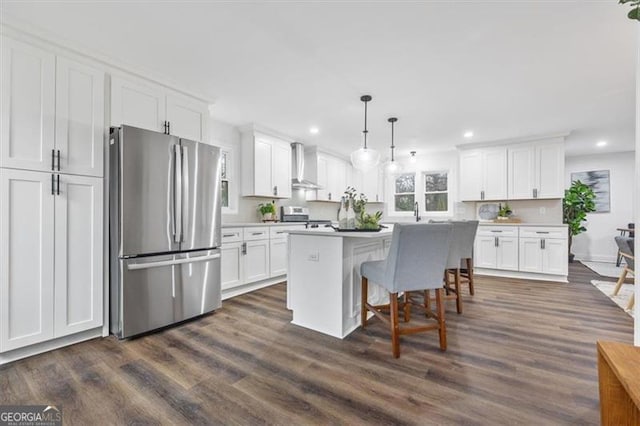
578 200
369 221
268 211
505 212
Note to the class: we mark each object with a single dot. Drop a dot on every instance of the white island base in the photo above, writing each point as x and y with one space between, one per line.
323 283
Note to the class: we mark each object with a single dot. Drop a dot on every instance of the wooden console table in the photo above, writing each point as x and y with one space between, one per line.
619 383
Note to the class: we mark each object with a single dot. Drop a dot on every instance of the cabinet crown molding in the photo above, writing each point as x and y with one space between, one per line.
552 137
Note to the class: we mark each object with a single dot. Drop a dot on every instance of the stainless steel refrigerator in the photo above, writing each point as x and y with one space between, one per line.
164 230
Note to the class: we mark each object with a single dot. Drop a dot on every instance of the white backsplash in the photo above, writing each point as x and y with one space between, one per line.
318 210
532 211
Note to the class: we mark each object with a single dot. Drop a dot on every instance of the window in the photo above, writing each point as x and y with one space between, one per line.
224 167
404 192
436 191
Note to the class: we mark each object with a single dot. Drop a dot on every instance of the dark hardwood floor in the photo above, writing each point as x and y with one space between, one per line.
523 352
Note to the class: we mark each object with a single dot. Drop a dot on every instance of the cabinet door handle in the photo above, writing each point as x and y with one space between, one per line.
58 160
329 196
228 235
541 243
376 197
168 127
257 233
495 241
482 195
58 185
544 243
275 190
244 248
53 160
535 193
542 232
496 231
53 183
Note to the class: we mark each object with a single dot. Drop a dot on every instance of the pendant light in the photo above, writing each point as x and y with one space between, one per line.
412 157
365 158
393 165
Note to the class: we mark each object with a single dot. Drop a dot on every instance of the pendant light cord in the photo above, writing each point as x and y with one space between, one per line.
365 131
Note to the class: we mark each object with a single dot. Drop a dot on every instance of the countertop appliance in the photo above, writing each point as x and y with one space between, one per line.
301 215
164 230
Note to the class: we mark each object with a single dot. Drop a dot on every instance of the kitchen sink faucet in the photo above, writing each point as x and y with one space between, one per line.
416 212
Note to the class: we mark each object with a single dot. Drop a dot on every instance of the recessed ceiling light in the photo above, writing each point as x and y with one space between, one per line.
314 130
468 134
601 144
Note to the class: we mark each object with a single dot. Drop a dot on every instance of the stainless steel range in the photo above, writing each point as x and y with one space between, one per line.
301 215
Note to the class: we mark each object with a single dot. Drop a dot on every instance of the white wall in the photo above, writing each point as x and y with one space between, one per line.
597 244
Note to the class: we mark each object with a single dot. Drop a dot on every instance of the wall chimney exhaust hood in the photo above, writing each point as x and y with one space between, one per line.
297 169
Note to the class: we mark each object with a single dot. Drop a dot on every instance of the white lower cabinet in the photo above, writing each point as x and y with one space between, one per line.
51 229
256 261
253 256
526 249
278 257
497 248
231 265
544 253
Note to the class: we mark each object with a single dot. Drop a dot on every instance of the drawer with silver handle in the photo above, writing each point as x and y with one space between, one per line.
256 233
559 232
281 231
232 235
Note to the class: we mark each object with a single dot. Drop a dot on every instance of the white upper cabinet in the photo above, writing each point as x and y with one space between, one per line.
28 106
329 172
549 170
187 117
52 112
370 183
266 166
137 104
536 171
148 106
79 118
483 174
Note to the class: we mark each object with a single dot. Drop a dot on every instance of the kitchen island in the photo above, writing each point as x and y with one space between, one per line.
323 283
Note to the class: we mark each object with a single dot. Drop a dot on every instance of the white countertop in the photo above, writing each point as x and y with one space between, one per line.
328 232
561 225
250 224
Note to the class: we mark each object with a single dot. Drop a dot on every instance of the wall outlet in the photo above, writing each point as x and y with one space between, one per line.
314 257
543 210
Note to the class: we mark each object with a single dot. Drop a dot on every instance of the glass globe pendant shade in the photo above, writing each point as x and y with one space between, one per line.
365 159
394 167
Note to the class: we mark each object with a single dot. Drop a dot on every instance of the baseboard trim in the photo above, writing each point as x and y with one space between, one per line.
520 275
247 288
49 345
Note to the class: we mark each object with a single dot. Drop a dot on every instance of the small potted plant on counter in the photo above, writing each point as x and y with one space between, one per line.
268 211
357 204
504 213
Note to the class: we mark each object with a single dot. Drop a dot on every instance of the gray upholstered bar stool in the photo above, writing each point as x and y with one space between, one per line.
461 251
417 257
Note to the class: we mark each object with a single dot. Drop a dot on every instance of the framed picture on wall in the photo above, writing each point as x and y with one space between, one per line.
598 181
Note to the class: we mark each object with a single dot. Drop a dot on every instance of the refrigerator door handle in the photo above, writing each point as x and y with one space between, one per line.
137 266
184 209
177 195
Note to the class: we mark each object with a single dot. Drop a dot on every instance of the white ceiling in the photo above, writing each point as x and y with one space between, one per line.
502 69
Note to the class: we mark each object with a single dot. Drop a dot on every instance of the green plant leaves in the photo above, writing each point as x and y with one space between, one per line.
635 12
578 200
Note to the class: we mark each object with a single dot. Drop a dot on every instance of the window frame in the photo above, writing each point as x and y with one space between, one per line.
424 192
232 181
392 201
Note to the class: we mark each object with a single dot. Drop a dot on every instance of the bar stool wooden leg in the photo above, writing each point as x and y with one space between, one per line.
446 281
632 301
456 278
395 328
470 272
427 301
407 307
442 328
365 298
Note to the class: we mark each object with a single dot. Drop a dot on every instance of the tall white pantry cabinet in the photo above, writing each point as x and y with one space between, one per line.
51 196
